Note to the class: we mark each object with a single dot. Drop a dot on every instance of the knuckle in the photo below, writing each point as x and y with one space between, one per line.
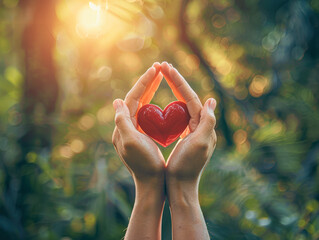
119 118
194 99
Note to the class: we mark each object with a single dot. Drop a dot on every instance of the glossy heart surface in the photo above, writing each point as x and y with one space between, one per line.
163 126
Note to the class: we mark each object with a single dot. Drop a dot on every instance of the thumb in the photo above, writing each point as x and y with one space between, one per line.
207 120
122 117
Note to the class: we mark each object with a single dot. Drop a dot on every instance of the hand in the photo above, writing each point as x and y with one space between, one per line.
188 159
191 154
142 158
137 151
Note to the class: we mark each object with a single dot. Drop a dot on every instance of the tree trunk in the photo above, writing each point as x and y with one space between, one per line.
38 104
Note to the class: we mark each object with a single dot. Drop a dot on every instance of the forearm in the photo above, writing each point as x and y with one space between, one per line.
187 218
145 221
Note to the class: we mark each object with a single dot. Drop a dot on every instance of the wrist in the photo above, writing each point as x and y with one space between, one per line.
150 194
182 194
146 217
187 218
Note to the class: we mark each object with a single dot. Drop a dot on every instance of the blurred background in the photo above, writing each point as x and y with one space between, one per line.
62 64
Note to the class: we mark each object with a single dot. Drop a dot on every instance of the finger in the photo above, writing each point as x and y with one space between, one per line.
208 120
165 70
134 96
178 83
122 119
152 88
183 92
185 133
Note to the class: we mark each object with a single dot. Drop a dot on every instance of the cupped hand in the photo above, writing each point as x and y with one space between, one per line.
191 153
137 151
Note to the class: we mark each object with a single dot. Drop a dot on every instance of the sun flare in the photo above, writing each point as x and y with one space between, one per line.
89 21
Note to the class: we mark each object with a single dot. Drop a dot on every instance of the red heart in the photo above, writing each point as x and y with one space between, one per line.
164 126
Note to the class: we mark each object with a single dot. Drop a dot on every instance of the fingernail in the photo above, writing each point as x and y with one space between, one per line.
117 104
152 70
212 104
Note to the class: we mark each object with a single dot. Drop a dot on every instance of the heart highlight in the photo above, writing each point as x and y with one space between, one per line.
164 126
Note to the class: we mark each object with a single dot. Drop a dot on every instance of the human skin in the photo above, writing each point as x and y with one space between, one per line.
142 157
181 175
188 159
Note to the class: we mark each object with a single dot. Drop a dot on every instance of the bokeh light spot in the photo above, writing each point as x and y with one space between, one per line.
218 21
65 151
105 114
232 15
170 33
224 67
77 225
131 43
31 157
240 136
89 220
86 122
192 62
77 145
240 92
156 12
258 86
104 73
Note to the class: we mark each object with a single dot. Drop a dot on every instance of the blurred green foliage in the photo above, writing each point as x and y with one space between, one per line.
60 177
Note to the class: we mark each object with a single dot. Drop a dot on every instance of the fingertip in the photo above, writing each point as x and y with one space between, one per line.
212 103
157 67
151 71
165 68
165 64
117 103
156 64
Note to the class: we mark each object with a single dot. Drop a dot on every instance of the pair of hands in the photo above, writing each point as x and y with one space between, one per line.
154 179
139 152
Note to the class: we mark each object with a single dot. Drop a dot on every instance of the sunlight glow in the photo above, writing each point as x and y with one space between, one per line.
106 5
89 20
97 9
